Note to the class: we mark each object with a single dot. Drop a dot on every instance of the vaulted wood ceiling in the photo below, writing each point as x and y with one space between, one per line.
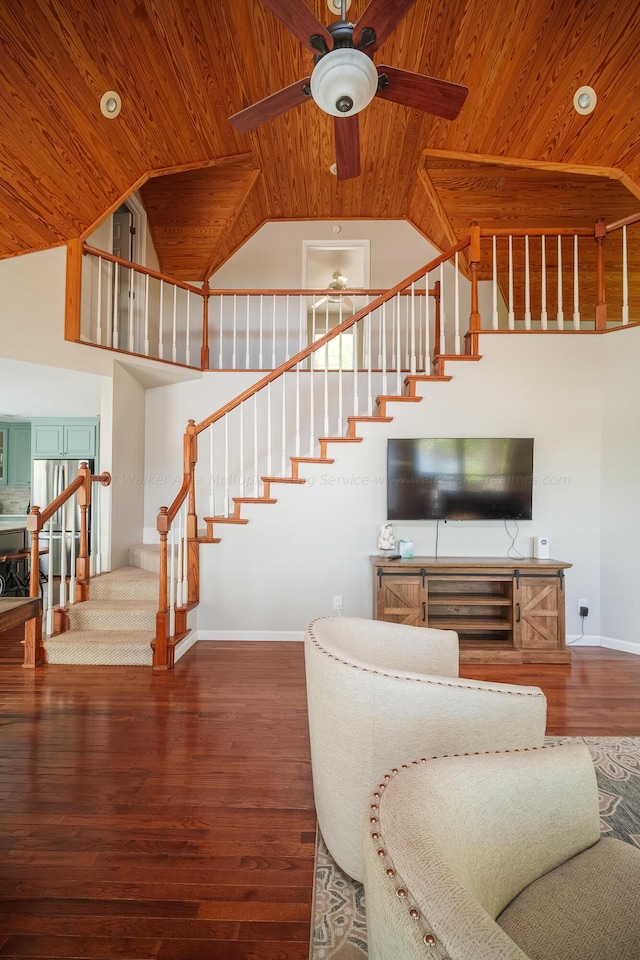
182 67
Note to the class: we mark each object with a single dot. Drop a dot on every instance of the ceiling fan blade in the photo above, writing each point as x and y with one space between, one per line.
382 16
272 106
302 23
347 136
440 97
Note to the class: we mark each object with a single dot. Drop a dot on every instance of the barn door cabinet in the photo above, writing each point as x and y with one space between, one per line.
504 611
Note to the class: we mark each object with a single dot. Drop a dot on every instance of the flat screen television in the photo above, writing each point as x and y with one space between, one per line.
486 478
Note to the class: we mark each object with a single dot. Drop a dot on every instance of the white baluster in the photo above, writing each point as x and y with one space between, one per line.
49 612
146 315
131 339
256 467
269 447
211 493
427 338
576 297
368 358
560 314
235 331
398 348
494 283
273 335
443 317
381 337
527 286
160 324
355 364
456 307
412 365
326 374
511 314
312 395
221 345
625 277
174 329
543 285
187 346
283 464
179 558
241 440
384 349
72 572
185 561
247 360
99 304
172 582
260 338
286 329
63 555
226 466
115 338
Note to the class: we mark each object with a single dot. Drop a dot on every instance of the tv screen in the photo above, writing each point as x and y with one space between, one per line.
487 478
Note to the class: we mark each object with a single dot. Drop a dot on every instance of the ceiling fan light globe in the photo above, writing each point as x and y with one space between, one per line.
344 78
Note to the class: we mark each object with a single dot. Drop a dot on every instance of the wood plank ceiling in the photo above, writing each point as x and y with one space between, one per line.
182 67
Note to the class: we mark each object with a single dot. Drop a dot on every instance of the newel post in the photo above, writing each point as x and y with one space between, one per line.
34 653
83 572
471 338
73 290
160 646
600 234
193 546
204 350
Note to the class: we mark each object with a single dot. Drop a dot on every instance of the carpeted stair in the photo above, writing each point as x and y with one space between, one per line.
117 624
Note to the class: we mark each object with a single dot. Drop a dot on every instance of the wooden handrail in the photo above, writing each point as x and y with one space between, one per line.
625 222
537 232
316 292
147 271
331 335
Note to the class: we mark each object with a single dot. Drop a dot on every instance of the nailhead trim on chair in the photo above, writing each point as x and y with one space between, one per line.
430 682
428 938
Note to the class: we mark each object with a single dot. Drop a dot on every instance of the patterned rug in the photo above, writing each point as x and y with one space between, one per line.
339 928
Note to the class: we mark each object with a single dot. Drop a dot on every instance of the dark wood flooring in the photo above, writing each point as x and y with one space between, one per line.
170 816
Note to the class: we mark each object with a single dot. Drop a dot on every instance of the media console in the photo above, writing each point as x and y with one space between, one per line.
504 610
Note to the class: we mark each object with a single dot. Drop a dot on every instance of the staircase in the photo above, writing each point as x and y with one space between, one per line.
116 626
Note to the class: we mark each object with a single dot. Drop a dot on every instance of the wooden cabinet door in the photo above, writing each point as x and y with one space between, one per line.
402 599
539 614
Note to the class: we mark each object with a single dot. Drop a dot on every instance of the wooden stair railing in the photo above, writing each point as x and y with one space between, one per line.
168 634
34 654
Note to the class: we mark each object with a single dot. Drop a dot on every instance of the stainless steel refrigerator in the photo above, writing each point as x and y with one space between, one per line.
50 477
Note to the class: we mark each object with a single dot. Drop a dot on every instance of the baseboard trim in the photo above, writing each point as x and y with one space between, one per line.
287 635
609 643
184 645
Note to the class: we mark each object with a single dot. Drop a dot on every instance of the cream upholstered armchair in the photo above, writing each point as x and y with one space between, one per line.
498 857
381 693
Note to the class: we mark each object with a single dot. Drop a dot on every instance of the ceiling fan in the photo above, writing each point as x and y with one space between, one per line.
345 80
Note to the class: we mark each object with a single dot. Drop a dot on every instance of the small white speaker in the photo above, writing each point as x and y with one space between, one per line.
541 548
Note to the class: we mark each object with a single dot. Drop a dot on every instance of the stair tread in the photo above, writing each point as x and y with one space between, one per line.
340 439
283 480
313 459
127 574
402 398
103 636
254 500
365 419
225 520
109 604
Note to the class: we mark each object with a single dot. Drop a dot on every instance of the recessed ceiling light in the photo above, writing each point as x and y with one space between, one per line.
334 169
584 100
110 104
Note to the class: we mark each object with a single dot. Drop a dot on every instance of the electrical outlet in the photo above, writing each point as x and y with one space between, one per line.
337 603
582 606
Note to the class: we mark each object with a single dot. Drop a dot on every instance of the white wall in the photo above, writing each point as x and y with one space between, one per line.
127 464
272 258
273 575
620 503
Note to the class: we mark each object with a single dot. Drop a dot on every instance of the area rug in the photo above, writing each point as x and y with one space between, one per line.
339 927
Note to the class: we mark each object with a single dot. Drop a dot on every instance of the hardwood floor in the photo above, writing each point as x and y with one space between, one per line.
170 816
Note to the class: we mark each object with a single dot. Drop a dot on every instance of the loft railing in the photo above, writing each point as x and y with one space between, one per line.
563 280
77 545
290 416
541 279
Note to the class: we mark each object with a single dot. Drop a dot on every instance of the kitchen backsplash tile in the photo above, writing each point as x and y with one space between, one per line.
14 500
